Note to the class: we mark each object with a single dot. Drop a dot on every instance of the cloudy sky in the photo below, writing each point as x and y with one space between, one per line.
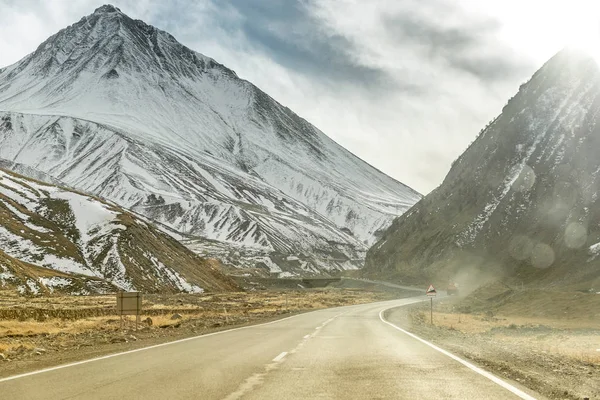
404 84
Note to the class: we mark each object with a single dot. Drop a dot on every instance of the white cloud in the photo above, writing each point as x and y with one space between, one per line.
434 72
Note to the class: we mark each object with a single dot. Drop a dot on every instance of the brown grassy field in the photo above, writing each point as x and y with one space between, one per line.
40 331
579 342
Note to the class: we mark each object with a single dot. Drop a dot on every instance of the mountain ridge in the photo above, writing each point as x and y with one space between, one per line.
186 129
521 202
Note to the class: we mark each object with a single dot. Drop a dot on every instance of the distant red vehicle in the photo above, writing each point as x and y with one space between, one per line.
452 289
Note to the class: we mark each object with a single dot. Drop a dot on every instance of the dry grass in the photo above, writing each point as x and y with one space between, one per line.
15 328
91 322
539 335
74 320
479 323
584 347
466 323
4 347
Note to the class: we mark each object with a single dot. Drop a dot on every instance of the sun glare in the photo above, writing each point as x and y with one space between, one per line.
582 29
538 29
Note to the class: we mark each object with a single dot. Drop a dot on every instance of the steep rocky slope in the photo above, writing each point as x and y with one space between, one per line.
26 278
118 108
522 201
56 239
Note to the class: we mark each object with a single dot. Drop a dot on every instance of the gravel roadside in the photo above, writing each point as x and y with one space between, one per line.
522 353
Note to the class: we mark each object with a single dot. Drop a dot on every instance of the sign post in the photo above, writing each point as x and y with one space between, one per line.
129 303
431 292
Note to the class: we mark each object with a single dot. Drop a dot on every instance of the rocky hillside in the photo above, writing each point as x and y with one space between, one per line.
115 107
56 239
522 201
29 279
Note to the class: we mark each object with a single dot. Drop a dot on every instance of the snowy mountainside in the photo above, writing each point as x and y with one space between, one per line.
82 239
207 200
135 117
522 201
30 172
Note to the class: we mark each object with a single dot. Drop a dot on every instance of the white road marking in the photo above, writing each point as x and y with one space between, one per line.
467 364
257 379
251 382
41 371
280 356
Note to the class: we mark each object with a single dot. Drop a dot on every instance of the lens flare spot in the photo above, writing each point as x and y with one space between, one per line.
542 256
525 180
575 235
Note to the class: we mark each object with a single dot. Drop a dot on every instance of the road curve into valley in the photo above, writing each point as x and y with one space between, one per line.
338 353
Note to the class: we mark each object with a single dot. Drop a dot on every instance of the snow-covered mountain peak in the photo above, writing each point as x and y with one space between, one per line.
108 41
107 9
132 115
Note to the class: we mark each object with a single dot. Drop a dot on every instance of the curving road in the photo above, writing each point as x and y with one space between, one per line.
339 353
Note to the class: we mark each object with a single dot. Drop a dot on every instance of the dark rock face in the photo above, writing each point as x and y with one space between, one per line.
522 200
107 8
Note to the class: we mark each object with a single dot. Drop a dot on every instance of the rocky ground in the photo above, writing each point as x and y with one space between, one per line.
557 357
38 332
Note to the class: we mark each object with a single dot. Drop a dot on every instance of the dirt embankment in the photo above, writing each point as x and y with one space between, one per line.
38 332
557 354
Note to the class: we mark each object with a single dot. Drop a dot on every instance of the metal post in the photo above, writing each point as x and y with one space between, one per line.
431 298
137 313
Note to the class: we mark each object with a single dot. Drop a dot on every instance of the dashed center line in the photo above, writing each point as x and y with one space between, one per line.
280 356
255 380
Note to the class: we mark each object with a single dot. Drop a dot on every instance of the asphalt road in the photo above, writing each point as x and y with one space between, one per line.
338 353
